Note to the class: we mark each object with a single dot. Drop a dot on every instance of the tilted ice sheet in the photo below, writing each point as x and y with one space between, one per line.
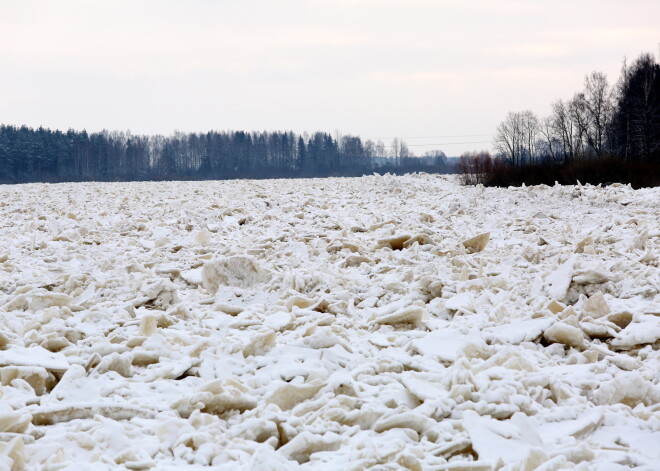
379 322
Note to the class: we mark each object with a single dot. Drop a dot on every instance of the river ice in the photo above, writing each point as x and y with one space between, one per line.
377 323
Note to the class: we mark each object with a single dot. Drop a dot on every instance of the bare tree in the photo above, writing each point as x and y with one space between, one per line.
580 118
394 150
549 133
530 129
564 126
379 149
399 150
516 137
508 138
593 111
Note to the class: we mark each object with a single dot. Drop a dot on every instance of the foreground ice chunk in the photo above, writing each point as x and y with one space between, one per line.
194 276
443 344
597 306
216 397
518 332
395 242
34 356
13 453
260 344
53 414
560 280
410 315
646 330
561 332
240 271
477 243
399 312
302 446
495 440
37 300
462 302
13 422
628 388
35 376
407 419
45 299
288 395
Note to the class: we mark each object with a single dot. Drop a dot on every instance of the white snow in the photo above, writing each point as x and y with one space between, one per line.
378 323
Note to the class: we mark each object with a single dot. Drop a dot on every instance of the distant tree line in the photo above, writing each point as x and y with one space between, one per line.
602 134
44 155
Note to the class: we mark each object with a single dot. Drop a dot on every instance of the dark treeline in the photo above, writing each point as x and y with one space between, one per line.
602 134
43 155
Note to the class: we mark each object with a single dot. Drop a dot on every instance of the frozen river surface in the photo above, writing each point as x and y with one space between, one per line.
339 324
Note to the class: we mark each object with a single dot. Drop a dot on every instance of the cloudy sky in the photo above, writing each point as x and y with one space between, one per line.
436 73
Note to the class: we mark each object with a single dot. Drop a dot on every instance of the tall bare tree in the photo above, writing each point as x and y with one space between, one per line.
564 126
530 130
508 138
593 111
516 137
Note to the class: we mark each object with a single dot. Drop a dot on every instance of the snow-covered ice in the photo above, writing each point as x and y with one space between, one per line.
377 323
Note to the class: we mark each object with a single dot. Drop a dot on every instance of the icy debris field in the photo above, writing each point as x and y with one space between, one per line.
341 324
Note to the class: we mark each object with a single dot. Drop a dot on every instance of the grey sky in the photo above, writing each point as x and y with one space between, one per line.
433 72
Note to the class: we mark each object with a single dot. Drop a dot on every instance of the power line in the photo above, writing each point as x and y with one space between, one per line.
432 137
447 143
443 144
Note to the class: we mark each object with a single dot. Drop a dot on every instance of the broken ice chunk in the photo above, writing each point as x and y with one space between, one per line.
462 302
260 344
34 356
561 332
238 271
305 444
585 245
43 299
14 452
646 330
14 422
477 243
288 395
399 312
216 397
443 344
628 388
596 306
555 307
560 280
49 415
517 332
395 242
35 376
194 276
590 276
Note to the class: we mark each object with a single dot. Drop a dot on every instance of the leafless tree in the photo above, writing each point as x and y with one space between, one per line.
379 149
564 127
548 131
530 129
516 136
593 111
399 150
508 138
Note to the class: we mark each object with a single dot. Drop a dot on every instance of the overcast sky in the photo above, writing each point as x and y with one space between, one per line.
432 72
